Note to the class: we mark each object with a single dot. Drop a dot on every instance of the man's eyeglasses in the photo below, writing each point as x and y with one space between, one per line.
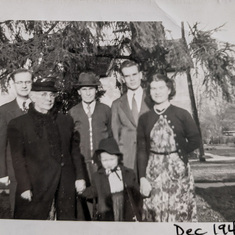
45 94
23 82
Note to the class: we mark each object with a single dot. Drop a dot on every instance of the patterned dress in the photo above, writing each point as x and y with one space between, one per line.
172 198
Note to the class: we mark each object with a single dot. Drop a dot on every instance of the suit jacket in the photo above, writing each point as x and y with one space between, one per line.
101 127
101 189
124 128
8 112
36 169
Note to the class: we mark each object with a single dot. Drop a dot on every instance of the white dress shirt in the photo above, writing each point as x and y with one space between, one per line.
138 97
91 109
115 180
21 101
92 106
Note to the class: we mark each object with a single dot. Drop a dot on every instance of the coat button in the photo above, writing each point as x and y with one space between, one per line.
62 164
62 155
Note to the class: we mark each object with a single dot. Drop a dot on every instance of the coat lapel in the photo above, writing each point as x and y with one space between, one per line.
144 107
81 112
126 109
14 110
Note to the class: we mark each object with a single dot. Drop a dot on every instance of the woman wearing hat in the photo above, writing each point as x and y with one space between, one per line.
46 158
114 185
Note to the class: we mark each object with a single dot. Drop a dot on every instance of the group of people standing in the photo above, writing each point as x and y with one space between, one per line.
124 163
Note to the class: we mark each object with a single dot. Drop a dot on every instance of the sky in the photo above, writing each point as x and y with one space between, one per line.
209 13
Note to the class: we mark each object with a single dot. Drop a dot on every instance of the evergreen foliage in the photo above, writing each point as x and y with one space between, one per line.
216 59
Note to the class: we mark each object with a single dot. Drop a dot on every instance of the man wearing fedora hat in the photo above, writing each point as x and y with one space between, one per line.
22 82
92 120
46 158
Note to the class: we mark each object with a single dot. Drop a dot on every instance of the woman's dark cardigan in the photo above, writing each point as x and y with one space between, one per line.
187 136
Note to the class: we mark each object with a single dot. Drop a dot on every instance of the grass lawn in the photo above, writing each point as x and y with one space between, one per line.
221 150
213 204
220 199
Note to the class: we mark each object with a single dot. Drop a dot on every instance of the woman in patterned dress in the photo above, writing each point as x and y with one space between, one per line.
165 136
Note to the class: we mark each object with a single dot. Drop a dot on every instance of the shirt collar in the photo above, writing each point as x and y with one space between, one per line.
20 102
138 92
138 97
109 171
92 106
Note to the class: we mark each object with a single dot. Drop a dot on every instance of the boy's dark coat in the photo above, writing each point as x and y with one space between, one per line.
100 188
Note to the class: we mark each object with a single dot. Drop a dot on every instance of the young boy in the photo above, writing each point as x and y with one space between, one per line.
114 185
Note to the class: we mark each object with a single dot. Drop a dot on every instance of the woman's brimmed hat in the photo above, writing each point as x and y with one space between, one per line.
108 145
44 84
87 79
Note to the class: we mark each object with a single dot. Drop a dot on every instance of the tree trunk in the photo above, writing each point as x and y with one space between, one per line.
193 102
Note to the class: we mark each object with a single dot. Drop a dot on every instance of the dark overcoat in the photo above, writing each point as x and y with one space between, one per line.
101 129
8 112
38 171
101 189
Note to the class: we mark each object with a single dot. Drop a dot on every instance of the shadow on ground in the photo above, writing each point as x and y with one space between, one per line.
220 199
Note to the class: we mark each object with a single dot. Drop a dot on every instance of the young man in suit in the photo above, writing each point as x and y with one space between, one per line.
126 111
22 81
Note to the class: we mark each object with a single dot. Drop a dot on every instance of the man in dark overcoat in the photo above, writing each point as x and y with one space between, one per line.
46 158
92 120
22 82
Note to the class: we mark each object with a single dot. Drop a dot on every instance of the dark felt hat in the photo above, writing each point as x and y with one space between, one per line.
44 85
108 145
87 79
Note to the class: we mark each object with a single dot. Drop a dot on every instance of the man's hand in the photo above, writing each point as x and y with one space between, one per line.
5 180
27 195
80 186
145 187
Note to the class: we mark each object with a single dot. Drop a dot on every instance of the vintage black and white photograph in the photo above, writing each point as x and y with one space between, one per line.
122 113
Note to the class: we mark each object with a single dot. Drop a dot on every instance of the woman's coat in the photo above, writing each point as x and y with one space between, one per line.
38 171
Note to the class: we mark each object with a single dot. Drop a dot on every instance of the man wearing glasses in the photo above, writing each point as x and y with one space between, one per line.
22 81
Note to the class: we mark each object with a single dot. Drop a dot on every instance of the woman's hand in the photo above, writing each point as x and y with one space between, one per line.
145 187
27 195
80 186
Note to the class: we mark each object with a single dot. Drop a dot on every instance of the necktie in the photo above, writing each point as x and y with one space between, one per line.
135 111
24 107
88 111
90 128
